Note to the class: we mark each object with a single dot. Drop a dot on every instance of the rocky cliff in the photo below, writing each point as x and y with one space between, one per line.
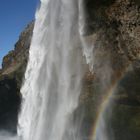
15 58
11 75
113 28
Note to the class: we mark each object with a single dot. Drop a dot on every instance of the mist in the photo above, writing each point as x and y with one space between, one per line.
8 136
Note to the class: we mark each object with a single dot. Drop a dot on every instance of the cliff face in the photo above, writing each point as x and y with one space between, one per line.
113 28
11 75
16 57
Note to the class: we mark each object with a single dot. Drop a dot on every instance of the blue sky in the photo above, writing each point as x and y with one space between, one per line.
14 16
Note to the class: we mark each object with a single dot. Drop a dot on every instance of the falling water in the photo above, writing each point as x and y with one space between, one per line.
53 77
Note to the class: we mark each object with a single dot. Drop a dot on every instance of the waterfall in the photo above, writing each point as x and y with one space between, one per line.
54 73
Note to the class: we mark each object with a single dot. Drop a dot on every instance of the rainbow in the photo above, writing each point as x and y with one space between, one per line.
105 102
100 111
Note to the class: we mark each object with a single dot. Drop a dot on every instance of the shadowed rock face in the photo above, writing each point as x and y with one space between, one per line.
9 104
125 110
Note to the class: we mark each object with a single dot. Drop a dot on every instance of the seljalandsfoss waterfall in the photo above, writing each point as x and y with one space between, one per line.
53 78
73 72
76 78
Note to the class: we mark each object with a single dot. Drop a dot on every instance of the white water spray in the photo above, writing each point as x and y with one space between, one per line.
53 77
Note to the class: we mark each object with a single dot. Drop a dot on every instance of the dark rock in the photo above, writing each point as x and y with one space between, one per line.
116 63
9 104
11 75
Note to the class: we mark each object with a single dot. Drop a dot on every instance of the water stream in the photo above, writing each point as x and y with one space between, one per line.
54 73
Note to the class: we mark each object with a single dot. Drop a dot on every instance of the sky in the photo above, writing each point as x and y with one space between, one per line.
14 17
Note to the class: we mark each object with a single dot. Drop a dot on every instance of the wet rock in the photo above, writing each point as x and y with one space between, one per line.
116 63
